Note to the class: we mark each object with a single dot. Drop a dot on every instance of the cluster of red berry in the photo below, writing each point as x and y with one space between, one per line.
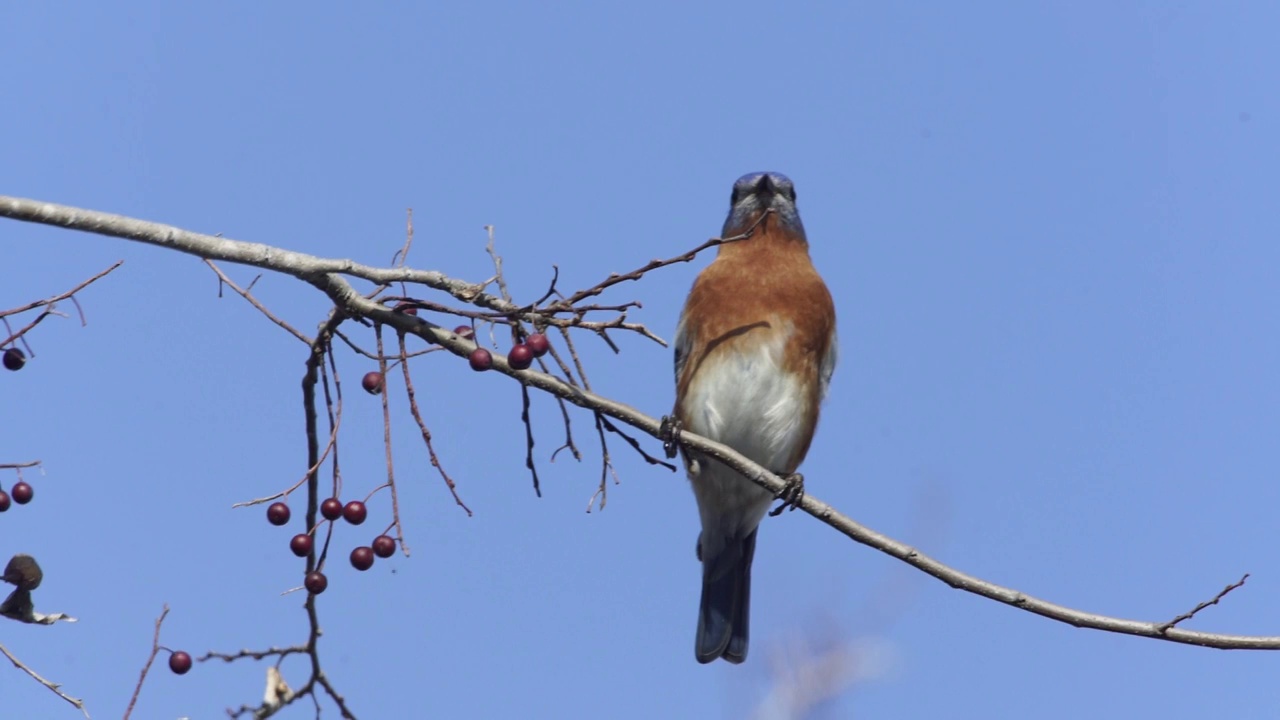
519 357
302 544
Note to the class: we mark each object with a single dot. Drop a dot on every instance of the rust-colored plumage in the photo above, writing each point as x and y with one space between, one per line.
759 287
755 349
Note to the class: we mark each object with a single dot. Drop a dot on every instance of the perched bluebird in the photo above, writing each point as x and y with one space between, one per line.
755 349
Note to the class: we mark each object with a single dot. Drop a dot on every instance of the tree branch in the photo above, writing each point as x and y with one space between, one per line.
327 275
53 686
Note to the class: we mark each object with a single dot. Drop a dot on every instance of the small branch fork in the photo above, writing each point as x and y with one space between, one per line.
50 308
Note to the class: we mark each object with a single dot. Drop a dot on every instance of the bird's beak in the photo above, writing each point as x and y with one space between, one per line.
766 189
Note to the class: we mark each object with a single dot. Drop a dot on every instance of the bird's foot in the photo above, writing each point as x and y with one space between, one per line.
669 432
791 495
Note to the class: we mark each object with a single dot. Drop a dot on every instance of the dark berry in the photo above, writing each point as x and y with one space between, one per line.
301 544
4 501
331 508
180 662
14 359
362 558
520 357
355 512
480 360
372 382
277 513
316 582
538 343
22 492
384 546
465 331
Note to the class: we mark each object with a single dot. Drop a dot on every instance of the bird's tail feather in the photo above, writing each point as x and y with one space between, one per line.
726 601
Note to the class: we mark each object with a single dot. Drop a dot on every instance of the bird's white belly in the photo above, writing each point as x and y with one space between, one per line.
746 401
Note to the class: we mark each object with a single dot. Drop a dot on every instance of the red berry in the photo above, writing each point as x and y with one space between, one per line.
406 308
22 492
538 343
372 382
384 546
362 558
179 662
14 359
520 357
316 582
277 513
355 512
331 508
465 331
301 544
4 501
480 359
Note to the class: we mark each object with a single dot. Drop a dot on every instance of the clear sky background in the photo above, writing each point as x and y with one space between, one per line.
1050 231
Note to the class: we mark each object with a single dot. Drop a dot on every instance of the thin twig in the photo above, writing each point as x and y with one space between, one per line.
606 467
497 265
244 293
155 649
386 434
12 466
365 353
528 438
54 687
1192 613
426 435
640 272
635 444
281 652
568 429
59 296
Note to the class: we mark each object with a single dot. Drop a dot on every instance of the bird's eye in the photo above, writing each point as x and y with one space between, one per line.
733 198
791 194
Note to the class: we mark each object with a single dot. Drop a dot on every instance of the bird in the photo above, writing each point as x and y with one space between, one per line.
755 348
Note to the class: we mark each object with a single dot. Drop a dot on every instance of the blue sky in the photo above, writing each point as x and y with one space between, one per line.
1050 232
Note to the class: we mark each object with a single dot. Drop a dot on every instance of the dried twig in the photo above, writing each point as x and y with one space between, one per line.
606 468
386 435
155 650
244 293
49 305
280 652
426 434
1214 601
652 265
55 688
528 438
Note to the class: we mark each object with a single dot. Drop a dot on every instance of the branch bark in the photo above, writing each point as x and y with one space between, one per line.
330 276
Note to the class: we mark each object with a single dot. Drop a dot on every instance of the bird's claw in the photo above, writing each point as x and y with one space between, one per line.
791 494
668 432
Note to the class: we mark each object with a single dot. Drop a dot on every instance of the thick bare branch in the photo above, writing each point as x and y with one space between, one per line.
327 275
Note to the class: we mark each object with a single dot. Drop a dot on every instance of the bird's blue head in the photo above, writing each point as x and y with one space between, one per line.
756 192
